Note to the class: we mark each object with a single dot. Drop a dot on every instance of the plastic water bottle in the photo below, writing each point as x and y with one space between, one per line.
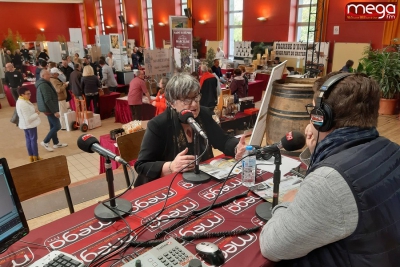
249 168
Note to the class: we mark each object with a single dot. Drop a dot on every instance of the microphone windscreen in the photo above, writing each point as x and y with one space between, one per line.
184 115
293 141
85 142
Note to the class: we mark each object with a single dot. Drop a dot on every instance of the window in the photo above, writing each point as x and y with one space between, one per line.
103 30
122 14
150 28
235 24
183 5
303 17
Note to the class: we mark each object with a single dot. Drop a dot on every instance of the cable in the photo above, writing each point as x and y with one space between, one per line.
198 236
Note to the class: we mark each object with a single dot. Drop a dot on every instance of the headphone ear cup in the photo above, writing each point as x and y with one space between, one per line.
328 118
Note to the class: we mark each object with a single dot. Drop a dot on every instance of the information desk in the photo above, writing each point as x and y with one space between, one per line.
108 143
123 112
10 99
83 236
106 104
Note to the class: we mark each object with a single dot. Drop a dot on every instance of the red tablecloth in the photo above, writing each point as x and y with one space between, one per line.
30 68
108 143
31 86
106 104
83 236
123 112
255 89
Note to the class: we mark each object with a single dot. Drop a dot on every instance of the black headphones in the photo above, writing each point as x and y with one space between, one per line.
322 116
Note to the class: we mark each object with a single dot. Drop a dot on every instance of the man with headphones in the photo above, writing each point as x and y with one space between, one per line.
347 210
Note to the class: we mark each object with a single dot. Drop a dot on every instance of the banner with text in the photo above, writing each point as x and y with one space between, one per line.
157 61
182 38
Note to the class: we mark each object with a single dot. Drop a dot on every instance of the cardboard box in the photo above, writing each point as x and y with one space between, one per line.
94 122
69 118
89 114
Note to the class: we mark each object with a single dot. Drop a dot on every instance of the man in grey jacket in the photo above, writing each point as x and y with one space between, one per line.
108 76
47 102
347 210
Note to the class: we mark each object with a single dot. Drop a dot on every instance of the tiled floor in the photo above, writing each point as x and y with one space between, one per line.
82 166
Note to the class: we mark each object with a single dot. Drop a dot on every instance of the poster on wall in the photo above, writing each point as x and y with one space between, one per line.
73 48
182 38
242 49
157 61
115 43
298 50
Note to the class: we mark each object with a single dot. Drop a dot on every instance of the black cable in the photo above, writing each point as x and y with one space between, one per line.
198 236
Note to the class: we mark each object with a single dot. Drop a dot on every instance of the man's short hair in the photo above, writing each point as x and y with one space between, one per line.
102 62
217 59
354 100
110 53
42 72
349 63
77 65
43 63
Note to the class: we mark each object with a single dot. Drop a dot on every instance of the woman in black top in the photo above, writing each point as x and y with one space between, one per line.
90 87
167 144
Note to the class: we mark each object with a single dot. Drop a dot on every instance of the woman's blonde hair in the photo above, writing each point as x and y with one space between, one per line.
88 71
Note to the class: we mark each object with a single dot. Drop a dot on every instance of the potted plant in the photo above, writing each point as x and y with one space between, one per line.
384 66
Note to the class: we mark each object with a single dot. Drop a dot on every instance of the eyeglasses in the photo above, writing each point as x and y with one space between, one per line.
309 108
189 101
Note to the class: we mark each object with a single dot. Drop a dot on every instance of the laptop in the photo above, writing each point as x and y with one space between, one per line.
13 225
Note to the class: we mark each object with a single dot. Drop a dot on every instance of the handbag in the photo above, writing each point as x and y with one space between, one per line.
15 118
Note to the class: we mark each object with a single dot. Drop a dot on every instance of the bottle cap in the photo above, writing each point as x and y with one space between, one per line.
249 148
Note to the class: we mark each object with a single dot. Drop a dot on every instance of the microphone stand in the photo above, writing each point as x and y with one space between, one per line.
264 210
196 177
117 207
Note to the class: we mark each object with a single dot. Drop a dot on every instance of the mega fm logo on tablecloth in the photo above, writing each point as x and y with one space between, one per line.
76 233
369 11
21 257
178 209
211 192
203 224
152 199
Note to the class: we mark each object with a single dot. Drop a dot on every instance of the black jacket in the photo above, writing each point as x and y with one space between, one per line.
208 91
14 79
90 84
159 143
67 71
75 83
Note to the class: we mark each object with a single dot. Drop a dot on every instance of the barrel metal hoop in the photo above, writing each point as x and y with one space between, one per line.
289 118
288 112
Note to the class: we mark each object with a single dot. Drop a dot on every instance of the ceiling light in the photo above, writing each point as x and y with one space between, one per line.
202 21
262 18
161 24
41 29
131 25
108 27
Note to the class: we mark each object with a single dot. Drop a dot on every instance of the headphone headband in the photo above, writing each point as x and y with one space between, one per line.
322 116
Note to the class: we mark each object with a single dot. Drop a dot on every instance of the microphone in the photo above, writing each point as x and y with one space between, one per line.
290 142
90 144
186 116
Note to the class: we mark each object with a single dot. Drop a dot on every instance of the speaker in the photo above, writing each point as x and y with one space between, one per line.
122 19
322 116
188 13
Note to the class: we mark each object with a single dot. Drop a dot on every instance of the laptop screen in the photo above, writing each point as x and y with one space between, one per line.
13 225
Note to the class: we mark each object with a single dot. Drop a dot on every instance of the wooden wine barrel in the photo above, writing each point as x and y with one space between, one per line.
286 111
